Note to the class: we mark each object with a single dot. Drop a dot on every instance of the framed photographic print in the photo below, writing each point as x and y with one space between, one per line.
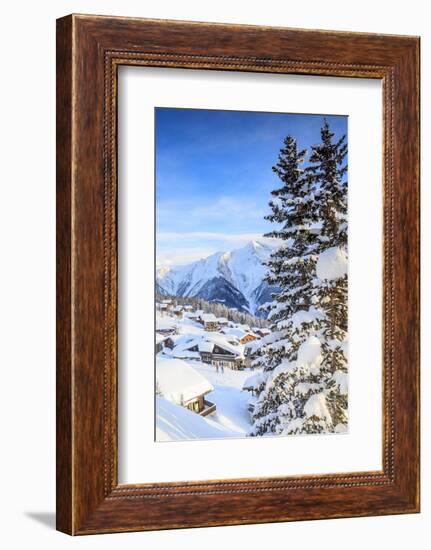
246 327
237 274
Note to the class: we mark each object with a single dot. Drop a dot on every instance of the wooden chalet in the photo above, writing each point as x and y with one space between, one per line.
249 337
209 321
224 358
178 311
166 305
183 385
166 329
163 308
243 336
214 352
201 405
218 355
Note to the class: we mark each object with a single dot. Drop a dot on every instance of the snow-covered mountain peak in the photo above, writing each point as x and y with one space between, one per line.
261 249
254 245
239 273
225 256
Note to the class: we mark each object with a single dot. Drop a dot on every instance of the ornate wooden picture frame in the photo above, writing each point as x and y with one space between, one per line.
89 51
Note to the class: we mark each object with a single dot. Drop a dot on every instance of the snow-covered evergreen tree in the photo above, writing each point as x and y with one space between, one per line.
332 300
327 169
291 265
304 387
294 319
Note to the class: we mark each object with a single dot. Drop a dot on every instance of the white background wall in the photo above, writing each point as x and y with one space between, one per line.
27 308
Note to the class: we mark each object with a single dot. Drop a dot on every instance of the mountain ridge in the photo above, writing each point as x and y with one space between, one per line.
235 277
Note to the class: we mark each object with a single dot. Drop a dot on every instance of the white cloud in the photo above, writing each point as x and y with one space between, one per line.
179 248
181 256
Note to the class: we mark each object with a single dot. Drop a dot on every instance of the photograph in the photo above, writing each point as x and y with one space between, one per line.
251 274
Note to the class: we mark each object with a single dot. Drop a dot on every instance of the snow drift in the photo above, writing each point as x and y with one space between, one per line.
332 264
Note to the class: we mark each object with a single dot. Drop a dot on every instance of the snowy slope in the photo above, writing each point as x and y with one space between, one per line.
174 423
234 278
232 403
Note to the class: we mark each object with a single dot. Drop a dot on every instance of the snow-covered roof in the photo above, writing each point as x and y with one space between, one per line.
159 338
206 343
178 308
224 343
209 318
253 344
191 315
164 324
237 332
179 382
185 341
206 346
222 320
166 301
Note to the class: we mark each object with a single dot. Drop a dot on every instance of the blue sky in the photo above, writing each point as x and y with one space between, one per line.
214 176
